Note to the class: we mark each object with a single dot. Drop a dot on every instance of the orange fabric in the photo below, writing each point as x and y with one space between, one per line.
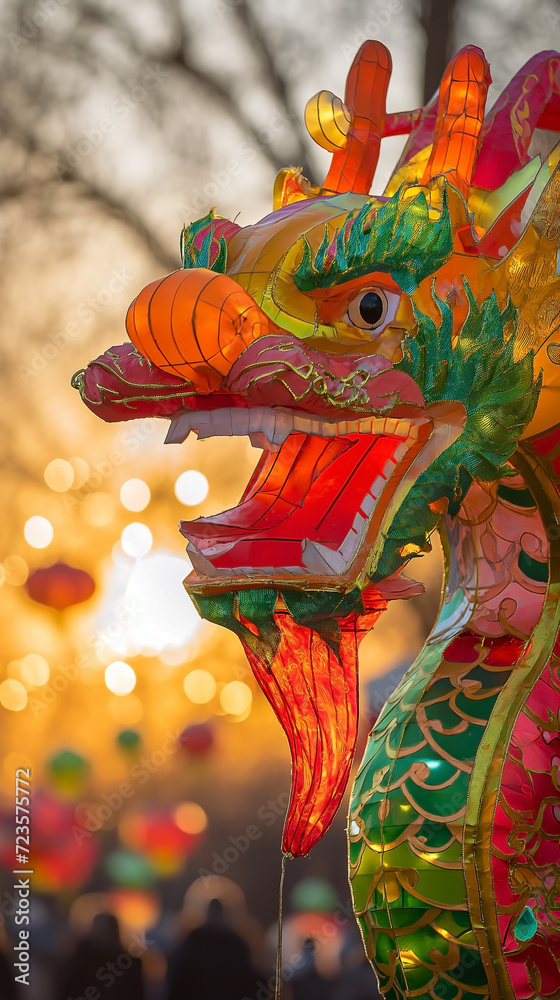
314 693
462 98
353 166
195 323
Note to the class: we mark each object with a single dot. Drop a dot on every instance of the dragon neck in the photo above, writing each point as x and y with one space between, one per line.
465 731
497 553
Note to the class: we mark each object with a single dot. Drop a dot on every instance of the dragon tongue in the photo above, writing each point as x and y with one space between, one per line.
312 685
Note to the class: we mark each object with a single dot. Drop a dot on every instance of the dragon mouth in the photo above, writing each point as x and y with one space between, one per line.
313 512
292 569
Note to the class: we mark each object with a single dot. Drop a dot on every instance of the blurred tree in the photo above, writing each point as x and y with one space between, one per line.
437 18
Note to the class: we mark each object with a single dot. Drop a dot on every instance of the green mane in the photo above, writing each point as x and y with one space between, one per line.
396 236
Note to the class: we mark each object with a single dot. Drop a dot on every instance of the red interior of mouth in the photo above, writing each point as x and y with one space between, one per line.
311 489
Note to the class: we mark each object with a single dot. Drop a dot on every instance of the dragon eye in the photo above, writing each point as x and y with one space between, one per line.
368 310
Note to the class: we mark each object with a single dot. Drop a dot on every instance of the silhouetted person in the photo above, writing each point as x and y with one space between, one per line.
357 980
7 983
101 963
212 963
308 983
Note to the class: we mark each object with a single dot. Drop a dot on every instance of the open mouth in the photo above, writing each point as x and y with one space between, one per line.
316 503
290 568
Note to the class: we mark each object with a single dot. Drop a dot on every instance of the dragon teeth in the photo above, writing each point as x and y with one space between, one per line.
268 427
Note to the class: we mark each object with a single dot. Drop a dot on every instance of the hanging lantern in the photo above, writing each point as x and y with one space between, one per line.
154 834
129 742
197 740
68 773
129 870
64 855
60 586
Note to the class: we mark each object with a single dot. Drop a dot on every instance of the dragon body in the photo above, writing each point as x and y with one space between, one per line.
395 358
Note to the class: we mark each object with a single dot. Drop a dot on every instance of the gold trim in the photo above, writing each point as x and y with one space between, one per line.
485 780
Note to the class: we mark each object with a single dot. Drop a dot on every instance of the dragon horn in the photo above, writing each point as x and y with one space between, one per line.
462 98
353 165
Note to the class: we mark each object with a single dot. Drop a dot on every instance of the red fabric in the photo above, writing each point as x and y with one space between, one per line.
314 694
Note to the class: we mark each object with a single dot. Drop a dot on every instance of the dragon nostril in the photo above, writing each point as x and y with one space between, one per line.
195 323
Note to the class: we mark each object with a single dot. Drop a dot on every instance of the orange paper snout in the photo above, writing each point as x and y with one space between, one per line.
195 324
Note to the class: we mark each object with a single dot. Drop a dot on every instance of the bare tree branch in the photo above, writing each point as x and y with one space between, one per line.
276 79
437 19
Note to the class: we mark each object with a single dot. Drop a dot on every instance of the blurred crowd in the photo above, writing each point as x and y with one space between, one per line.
212 950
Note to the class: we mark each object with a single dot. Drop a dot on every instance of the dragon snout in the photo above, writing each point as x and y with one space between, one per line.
195 323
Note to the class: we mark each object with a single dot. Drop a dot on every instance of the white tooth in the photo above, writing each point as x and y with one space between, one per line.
320 559
358 522
221 422
240 421
203 425
259 440
283 426
377 486
367 505
327 428
303 423
256 418
201 565
403 427
349 546
400 451
179 428
268 423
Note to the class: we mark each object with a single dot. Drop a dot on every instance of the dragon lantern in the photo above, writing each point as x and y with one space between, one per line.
396 357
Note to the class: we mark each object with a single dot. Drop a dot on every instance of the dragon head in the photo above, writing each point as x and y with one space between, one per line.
382 351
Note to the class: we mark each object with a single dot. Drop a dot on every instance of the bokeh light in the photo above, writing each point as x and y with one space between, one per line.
236 698
59 475
160 616
191 488
190 818
81 472
136 540
199 686
135 494
16 570
120 677
38 532
35 669
13 695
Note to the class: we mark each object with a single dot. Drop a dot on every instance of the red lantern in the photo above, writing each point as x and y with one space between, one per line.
60 586
197 740
153 834
64 853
